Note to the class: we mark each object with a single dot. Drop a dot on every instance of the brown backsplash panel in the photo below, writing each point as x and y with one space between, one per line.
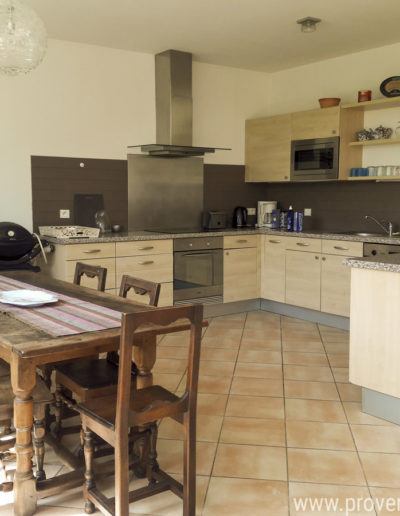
225 188
340 206
55 180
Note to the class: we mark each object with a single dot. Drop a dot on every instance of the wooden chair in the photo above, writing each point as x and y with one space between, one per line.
92 271
114 416
41 398
90 378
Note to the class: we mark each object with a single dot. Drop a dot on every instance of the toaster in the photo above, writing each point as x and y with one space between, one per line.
215 220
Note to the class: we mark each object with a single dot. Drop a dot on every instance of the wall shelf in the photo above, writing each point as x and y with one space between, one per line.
377 179
374 104
381 141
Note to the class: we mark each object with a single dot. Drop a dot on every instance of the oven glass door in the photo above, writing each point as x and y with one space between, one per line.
197 274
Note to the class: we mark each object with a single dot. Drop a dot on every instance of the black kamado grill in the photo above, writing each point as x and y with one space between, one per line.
18 247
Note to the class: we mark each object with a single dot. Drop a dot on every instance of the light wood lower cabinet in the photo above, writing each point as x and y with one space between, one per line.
303 279
273 278
335 285
240 274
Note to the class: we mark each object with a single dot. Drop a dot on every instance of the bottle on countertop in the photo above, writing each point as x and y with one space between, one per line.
290 219
283 220
298 221
275 219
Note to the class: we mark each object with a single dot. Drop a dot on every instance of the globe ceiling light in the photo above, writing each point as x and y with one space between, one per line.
23 38
308 24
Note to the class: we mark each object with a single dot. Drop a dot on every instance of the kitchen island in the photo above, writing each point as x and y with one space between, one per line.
375 333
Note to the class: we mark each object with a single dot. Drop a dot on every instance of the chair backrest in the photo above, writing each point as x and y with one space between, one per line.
141 287
92 271
131 323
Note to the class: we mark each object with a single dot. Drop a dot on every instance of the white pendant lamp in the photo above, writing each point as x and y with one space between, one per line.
23 38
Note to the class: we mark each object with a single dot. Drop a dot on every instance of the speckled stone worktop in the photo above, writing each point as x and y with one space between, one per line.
147 235
388 263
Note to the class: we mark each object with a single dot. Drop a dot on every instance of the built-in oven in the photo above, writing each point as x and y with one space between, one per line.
314 160
198 270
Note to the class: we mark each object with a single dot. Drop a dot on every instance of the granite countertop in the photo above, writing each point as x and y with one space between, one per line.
131 236
388 263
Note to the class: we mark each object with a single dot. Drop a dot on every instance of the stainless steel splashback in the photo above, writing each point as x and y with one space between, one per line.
164 192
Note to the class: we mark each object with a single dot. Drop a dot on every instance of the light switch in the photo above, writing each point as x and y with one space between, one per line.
64 214
307 212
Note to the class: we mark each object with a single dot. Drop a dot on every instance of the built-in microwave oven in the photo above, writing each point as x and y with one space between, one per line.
314 160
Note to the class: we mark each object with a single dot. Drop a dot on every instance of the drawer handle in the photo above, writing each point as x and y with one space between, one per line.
241 241
148 248
92 251
302 244
340 248
274 241
148 262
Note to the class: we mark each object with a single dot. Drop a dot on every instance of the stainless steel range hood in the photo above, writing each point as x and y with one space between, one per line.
174 107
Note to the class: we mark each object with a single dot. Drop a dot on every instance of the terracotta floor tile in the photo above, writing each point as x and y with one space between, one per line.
262 333
299 358
324 436
256 386
307 373
261 344
170 365
370 438
237 497
258 370
175 339
241 430
341 374
211 404
311 390
255 407
218 331
214 384
170 456
260 357
208 428
172 352
381 469
304 346
314 410
318 493
338 359
384 500
357 417
216 368
325 466
244 461
349 392
218 354
229 323
168 381
226 342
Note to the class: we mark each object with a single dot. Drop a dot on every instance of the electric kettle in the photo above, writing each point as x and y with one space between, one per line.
239 217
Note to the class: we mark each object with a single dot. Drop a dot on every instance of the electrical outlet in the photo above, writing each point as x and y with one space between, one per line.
64 214
307 212
251 211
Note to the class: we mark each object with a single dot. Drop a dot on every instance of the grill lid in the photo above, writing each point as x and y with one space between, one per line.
15 241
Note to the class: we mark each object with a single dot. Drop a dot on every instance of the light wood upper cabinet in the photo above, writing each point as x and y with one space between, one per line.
267 150
303 279
317 123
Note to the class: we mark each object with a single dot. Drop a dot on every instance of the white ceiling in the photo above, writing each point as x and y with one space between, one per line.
254 34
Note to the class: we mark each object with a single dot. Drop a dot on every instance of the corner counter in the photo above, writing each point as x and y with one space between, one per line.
375 333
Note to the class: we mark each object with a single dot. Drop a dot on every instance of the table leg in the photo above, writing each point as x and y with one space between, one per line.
144 356
23 379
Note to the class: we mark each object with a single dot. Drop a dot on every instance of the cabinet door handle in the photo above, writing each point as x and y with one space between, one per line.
92 251
274 241
146 248
340 248
148 262
241 241
317 257
323 259
302 244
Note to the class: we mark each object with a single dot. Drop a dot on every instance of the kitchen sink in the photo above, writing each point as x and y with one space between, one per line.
364 234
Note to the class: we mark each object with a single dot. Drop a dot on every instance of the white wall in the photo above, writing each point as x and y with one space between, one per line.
92 102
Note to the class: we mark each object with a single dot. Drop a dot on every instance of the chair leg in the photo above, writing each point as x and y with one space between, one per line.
89 477
122 475
39 430
152 464
189 466
58 411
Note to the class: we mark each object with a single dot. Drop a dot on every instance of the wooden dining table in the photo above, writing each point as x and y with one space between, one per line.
25 347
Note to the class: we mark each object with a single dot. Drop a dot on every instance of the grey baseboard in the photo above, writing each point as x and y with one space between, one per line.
381 405
231 308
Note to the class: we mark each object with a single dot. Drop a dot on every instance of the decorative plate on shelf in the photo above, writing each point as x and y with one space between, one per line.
27 298
390 87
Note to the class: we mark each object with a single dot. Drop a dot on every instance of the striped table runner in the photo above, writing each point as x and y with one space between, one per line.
69 316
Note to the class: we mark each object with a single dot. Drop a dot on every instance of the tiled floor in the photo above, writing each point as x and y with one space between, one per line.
277 421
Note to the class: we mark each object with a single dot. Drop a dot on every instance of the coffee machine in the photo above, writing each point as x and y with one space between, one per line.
264 213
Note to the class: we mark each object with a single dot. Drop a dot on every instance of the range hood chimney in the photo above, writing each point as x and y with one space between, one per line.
174 107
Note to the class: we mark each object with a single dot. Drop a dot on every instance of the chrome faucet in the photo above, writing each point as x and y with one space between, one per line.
388 230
